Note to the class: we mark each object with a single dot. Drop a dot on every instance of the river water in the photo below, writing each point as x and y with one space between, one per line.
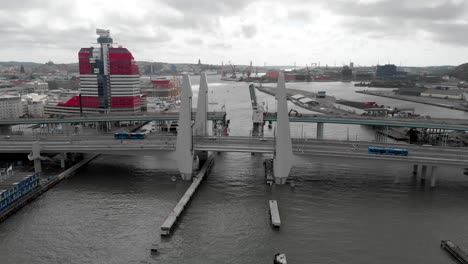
338 211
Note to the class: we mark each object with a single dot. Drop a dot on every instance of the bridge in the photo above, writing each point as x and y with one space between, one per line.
192 139
432 123
163 116
353 150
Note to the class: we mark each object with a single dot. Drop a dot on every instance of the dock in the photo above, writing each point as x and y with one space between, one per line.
274 214
170 221
455 251
43 188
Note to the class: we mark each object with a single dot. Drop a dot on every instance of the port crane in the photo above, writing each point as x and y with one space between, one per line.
233 69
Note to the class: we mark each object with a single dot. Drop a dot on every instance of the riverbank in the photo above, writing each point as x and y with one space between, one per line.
45 186
454 104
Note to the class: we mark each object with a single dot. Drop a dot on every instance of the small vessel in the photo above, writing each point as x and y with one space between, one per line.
280 258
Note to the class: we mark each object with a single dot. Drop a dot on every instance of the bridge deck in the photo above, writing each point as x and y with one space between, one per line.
154 144
170 116
436 123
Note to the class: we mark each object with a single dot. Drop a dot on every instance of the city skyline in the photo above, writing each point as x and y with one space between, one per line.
420 33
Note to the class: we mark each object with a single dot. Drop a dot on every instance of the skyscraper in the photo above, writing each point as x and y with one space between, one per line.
109 78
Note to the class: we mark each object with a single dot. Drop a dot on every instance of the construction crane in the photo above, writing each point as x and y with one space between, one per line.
233 69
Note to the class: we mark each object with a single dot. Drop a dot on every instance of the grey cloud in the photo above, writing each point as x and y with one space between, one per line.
431 10
194 41
299 15
448 32
249 31
396 19
220 45
201 7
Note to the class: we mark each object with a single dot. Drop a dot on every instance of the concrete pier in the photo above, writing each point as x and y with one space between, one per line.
433 176
455 251
423 174
274 214
63 158
168 224
319 130
415 169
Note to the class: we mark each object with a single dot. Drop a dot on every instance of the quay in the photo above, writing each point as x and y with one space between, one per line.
43 188
455 251
274 214
168 224
414 99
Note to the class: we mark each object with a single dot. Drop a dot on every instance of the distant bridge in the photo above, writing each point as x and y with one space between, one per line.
167 116
433 123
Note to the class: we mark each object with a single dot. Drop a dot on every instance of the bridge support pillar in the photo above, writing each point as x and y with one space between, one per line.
415 169
319 130
35 155
201 118
62 160
202 158
5 129
282 162
423 174
184 145
433 176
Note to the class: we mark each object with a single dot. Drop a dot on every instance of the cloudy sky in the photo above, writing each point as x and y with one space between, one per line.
272 32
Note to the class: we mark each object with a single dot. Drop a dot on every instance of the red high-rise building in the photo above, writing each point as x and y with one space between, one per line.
109 78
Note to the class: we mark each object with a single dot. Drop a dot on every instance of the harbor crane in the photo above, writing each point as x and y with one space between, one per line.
233 69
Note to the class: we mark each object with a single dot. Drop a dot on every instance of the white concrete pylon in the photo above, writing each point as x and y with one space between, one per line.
35 155
201 119
283 160
184 145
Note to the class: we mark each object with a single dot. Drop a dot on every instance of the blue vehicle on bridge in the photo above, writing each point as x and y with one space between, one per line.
126 135
388 151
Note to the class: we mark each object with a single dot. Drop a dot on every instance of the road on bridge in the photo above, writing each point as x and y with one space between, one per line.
154 143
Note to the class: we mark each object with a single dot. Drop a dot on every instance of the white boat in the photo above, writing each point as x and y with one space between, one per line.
280 259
